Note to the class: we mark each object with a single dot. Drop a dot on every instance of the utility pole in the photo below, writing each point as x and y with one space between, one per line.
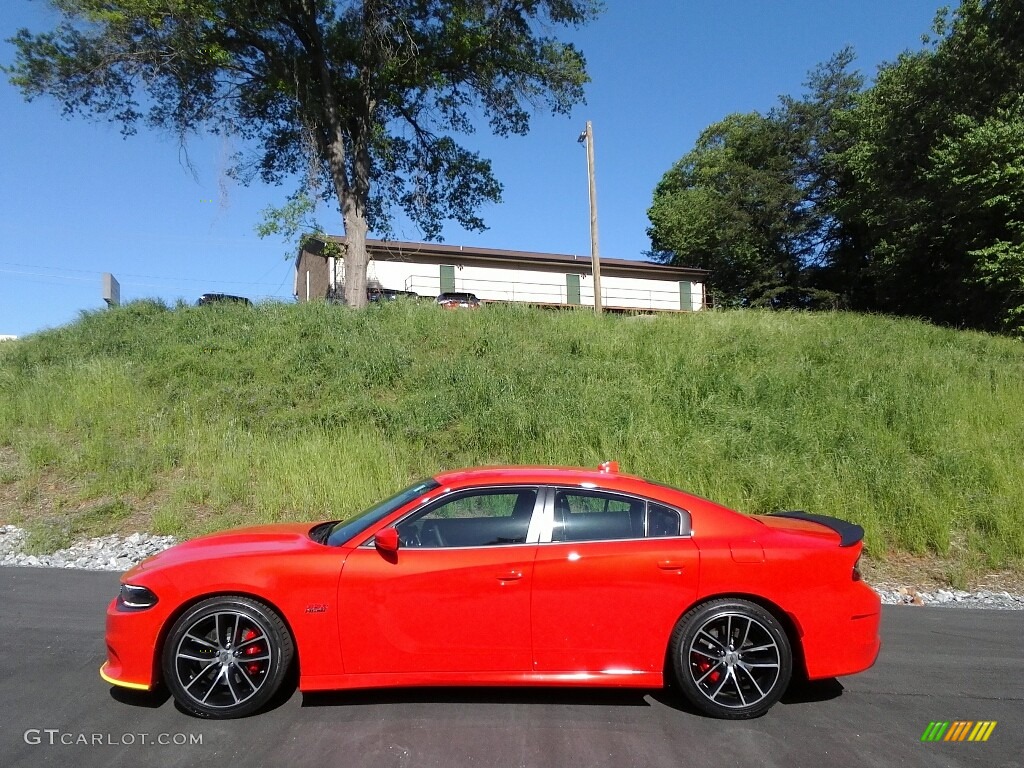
588 137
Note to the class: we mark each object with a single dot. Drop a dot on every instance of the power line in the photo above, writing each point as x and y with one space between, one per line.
281 284
169 287
43 274
172 280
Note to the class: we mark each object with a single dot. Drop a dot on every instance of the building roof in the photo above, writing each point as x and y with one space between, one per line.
442 253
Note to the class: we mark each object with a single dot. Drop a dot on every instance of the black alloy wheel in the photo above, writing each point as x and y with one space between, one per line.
226 657
731 658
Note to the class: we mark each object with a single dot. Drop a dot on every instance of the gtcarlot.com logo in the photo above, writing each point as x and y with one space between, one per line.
958 730
57 737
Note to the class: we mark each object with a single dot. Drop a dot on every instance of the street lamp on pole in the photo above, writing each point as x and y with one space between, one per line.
587 137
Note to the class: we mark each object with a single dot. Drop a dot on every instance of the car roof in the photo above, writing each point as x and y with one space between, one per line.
611 480
533 474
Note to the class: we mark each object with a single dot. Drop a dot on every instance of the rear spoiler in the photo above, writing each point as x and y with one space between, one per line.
849 533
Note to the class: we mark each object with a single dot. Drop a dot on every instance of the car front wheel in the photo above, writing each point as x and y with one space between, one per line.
226 657
731 658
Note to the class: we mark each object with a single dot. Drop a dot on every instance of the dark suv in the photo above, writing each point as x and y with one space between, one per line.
388 294
215 298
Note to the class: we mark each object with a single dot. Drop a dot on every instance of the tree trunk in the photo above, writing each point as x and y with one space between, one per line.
356 257
353 208
352 199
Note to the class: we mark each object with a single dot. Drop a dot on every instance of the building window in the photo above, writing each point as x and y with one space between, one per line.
447 278
572 289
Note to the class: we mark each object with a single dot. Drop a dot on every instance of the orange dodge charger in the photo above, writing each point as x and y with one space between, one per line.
503 576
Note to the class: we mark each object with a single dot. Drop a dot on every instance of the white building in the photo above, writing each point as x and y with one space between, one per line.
548 279
5 337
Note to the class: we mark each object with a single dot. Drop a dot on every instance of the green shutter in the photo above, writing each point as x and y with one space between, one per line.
572 289
447 278
685 295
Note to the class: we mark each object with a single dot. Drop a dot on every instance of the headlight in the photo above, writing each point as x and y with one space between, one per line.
135 598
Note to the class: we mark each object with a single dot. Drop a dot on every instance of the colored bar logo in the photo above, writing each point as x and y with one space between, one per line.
958 730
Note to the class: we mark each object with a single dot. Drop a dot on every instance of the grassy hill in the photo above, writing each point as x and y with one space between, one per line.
184 420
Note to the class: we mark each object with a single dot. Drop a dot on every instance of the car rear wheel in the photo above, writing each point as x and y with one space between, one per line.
226 657
731 658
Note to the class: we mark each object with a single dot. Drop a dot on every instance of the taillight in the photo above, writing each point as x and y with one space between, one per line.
856 569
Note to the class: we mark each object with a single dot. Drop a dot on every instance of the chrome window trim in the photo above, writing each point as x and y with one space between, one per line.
547 516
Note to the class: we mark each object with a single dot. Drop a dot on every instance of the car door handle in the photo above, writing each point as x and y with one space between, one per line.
671 565
511 576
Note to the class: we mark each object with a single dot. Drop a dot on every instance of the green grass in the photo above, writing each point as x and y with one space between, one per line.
220 415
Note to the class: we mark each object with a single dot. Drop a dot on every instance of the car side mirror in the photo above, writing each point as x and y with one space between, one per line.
386 540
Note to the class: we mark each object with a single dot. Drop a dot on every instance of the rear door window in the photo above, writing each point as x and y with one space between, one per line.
582 515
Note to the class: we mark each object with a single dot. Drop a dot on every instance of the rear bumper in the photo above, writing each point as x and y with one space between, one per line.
850 642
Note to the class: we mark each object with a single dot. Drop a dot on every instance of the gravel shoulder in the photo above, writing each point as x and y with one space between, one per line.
119 553
104 553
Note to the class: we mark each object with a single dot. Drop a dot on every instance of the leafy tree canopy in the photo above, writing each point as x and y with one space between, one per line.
753 201
363 99
937 167
905 197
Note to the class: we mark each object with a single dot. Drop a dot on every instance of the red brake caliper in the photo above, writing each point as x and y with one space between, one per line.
252 650
703 665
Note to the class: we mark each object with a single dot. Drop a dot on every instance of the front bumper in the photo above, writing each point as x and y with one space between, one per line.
132 640
108 672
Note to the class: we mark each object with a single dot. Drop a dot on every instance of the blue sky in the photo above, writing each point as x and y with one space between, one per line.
78 200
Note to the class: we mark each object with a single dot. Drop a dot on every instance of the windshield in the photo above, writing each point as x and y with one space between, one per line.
346 529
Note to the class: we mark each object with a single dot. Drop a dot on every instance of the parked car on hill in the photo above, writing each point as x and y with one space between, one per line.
388 294
503 576
458 300
218 298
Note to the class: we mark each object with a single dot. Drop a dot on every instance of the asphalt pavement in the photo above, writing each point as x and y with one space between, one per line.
937 664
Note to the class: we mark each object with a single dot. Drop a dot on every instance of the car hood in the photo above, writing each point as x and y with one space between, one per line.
257 540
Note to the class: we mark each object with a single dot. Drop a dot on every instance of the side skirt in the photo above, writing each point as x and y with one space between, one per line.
611 679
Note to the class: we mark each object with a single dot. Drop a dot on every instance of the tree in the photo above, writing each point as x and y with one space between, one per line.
754 200
726 206
983 161
906 197
363 97
937 169
827 248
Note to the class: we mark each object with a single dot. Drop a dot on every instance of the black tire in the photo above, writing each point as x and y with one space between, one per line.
731 658
226 657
